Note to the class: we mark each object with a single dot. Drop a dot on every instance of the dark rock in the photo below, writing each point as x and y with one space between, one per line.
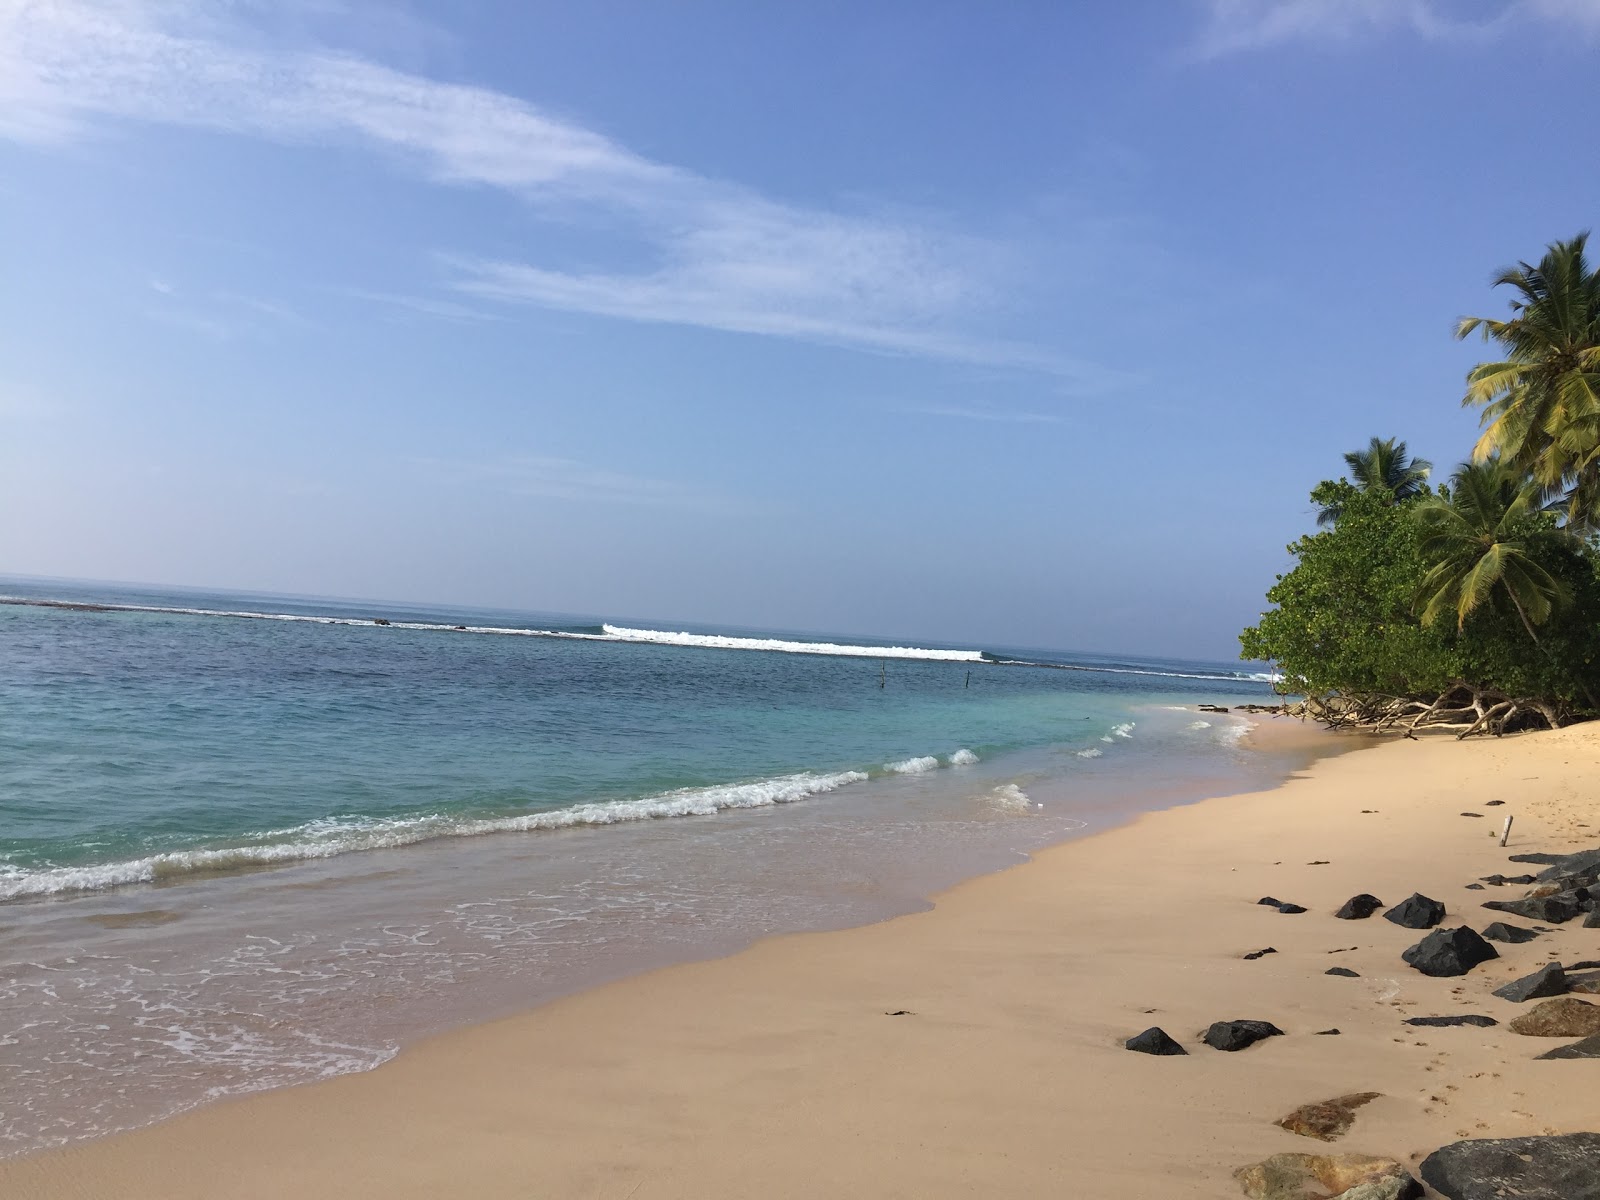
1474 887
1290 908
1211 708
1461 1019
1554 909
1501 880
379 621
1588 1048
1359 908
1548 980
1493 803
1466 814
1154 1040
1538 858
1564 1017
1592 921
900 1012
1259 953
1238 1035
1345 971
1566 1167
1416 911
1501 932
1450 952
1270 901
1588 983
1319 862
1323 1176
1326 1033
1561 866
1328 1120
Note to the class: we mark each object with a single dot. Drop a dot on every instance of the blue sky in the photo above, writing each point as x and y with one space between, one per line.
1028 324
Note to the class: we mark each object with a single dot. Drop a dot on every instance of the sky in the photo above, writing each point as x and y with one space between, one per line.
1028 324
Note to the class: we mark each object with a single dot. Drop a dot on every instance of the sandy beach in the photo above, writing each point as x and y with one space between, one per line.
779 1071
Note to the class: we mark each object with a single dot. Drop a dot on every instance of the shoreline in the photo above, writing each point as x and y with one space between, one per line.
776 1069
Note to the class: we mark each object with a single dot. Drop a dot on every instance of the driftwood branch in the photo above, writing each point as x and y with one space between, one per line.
1461 708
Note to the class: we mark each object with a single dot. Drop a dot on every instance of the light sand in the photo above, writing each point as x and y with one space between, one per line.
776 1072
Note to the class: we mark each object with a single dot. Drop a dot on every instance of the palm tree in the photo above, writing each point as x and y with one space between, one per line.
1476 537
1541 404
1383 466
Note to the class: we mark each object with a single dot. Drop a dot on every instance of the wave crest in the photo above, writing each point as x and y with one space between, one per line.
329 837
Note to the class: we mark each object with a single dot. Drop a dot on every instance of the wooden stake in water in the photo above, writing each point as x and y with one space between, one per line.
1506 832
968 683
883 674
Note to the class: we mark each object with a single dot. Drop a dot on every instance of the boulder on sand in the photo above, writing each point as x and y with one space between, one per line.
1416 911
1238 1035
1548 980
1327 1177
1359 908
1154 1040
1328 1120
1447 952
1563 1016
1554 909
1565 1167
1458 1019
1588 1048
1501 932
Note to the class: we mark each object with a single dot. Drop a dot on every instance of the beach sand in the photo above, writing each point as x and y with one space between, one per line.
777 1072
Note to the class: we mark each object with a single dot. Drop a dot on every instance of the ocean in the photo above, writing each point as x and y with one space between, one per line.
248 841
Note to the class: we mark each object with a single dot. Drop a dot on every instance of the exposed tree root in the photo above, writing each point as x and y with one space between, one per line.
1461 707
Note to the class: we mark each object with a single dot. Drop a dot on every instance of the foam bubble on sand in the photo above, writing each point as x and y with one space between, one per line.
963 758
913 766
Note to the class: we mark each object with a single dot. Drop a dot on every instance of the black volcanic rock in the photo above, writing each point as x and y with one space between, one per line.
1345 971
1588 1048
1564 1167
1254 954
1290 908
1447 952
1416 911
1554 909
1154 1040
1462 1019
1501 932
1270 901
1548 980
1359 908
1238 1035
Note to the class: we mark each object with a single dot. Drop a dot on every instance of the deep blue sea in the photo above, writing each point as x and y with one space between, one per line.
251 840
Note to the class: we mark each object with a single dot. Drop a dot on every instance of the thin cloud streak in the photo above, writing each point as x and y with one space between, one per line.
1007 416
721 256
1235 26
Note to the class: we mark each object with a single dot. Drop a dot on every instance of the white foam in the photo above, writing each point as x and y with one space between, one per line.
963 758
328 837
1092 752
913 766
1011 798
1199 724
661 637
1125 730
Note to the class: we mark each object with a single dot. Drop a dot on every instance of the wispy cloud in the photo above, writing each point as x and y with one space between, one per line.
711 253
1007 416
1242 25
427 306
567 479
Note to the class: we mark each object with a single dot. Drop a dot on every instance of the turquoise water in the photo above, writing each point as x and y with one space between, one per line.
138 745
245 851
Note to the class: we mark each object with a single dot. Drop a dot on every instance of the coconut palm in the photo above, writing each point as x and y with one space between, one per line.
1541 404
1476 536
1383 466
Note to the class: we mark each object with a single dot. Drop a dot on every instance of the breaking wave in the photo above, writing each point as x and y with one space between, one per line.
659 637
333 836
913 766
963 758
1011 798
